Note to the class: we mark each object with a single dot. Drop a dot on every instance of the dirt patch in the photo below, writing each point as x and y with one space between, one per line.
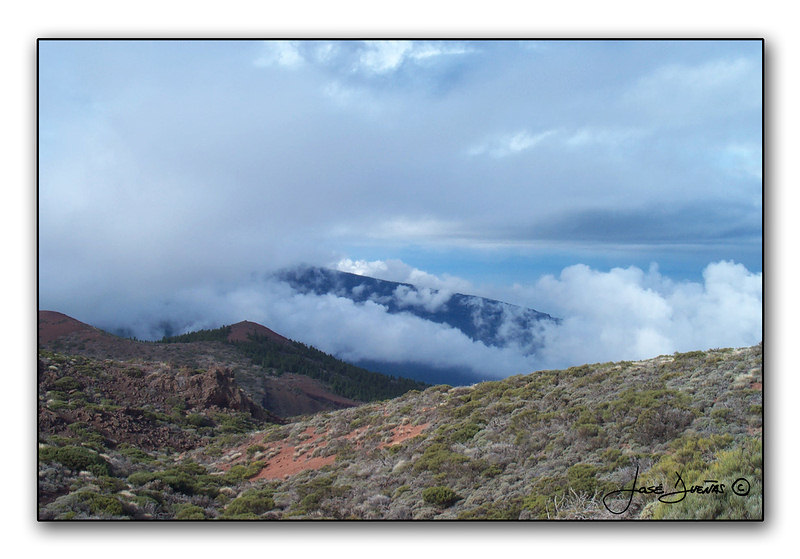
292 459
403 433
285 463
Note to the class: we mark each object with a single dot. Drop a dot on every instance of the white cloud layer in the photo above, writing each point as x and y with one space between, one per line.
399 271
632 314
622 314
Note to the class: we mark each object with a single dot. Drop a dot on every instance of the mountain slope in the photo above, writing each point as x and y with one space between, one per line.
491 322
285 377
550 444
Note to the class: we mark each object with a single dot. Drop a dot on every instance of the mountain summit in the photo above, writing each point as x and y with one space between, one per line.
495 324
489 321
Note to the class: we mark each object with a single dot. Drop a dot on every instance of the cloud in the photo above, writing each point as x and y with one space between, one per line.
742 159
281 53
620 314
627 313
399 271
366 59
424 297
509 144
681 94
180 167
589 136
380 57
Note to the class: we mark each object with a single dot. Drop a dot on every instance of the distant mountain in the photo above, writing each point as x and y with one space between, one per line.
491 322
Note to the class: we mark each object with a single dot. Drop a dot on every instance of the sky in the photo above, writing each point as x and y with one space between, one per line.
614 184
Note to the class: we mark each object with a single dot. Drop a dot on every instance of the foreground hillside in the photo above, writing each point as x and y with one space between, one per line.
551 444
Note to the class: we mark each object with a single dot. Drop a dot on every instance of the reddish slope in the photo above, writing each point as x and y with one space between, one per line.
241 330
286 395
54 325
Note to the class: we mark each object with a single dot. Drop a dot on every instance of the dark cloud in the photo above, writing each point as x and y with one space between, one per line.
721 223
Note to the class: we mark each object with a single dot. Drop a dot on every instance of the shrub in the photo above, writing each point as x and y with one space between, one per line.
251 450
65 384
582 478
198 420
76 458
661 423
492 470
252 502
240 472
85 502
540 506
438 457
140 478
134 454
104 505
440 495
236 423
189 512
466 433
728 466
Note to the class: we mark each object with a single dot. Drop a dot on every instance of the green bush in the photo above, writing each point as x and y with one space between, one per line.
104 505
198 420
237 423
240 472
582 478
440 495
252 502
438 457
65 384
466 433
744 462
493 511
76 458
140 478
540 506
189 512
251 450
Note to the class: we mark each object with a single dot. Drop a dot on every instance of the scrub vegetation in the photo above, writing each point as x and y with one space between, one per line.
546 445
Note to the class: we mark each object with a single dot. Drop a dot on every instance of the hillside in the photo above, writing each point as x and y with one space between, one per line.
547 445
285 377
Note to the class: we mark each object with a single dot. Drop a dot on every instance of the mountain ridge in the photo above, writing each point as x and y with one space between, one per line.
285 377
479 318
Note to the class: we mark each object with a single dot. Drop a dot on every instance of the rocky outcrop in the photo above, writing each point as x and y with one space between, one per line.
215 388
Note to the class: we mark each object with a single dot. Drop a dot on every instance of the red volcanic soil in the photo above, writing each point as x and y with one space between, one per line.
294 459
289 458
403 433
53 325
241 330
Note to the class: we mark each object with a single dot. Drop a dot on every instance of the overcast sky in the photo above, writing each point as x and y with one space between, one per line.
174 175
